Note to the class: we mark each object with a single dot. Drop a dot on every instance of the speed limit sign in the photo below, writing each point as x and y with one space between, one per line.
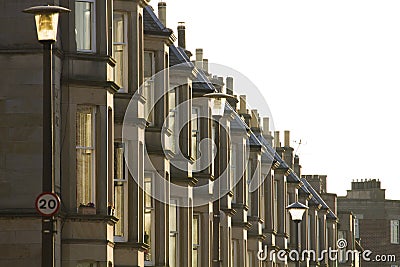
47 204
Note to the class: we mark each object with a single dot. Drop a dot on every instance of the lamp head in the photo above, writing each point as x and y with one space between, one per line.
218 101
296 211
46 18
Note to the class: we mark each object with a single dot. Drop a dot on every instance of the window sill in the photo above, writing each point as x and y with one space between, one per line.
87 210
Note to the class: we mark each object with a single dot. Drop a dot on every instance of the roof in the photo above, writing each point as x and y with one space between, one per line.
267 156
152 25
316 196
202 83
177 56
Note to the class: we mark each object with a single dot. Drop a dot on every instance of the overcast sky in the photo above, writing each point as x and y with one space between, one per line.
329 71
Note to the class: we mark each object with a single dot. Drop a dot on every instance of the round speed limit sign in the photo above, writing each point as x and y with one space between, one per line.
47 204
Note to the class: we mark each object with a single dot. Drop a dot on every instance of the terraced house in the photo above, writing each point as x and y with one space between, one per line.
152 168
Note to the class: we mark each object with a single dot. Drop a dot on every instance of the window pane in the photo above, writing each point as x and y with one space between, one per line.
84 166
119 208
85 154
119 30
83 25
119 170
196 241
196 230
119 66
84 126
147 232
148 64
172 250
173 212
148 203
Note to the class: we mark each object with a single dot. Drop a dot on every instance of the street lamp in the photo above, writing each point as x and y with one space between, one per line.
296 211
46 18
218 101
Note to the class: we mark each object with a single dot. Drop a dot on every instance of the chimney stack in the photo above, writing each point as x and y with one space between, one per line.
162 13
287 138
205 65
277 142
199 58
266 126
182 35
254 118
229 85
243 109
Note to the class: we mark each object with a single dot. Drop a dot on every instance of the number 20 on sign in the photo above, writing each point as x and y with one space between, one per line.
47 204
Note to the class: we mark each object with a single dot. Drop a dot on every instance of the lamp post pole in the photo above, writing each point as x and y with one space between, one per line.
216 203
46 18
297 222
48 174
296 211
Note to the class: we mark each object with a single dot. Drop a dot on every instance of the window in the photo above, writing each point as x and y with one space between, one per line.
174 137
309 231
85 155
248 181
275 199
120 51
196 240
173 237
356 228
249 258
342 251
84 25
235 253
233 163
195 135
394 232
149 71
148 215
120 188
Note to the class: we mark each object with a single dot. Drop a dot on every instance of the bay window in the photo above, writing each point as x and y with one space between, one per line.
120 51
85 25
120 189
85 155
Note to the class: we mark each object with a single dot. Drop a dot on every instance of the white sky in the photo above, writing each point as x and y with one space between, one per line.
329 71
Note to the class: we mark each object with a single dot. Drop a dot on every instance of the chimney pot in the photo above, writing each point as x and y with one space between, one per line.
205 65
287 138
254 118
265 125
277 142
243 104
182 35
199 58
162 13
229 85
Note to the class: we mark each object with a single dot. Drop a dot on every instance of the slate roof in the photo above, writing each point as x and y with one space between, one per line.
177 56
266 156
253 141
202 84
316 196
152 25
